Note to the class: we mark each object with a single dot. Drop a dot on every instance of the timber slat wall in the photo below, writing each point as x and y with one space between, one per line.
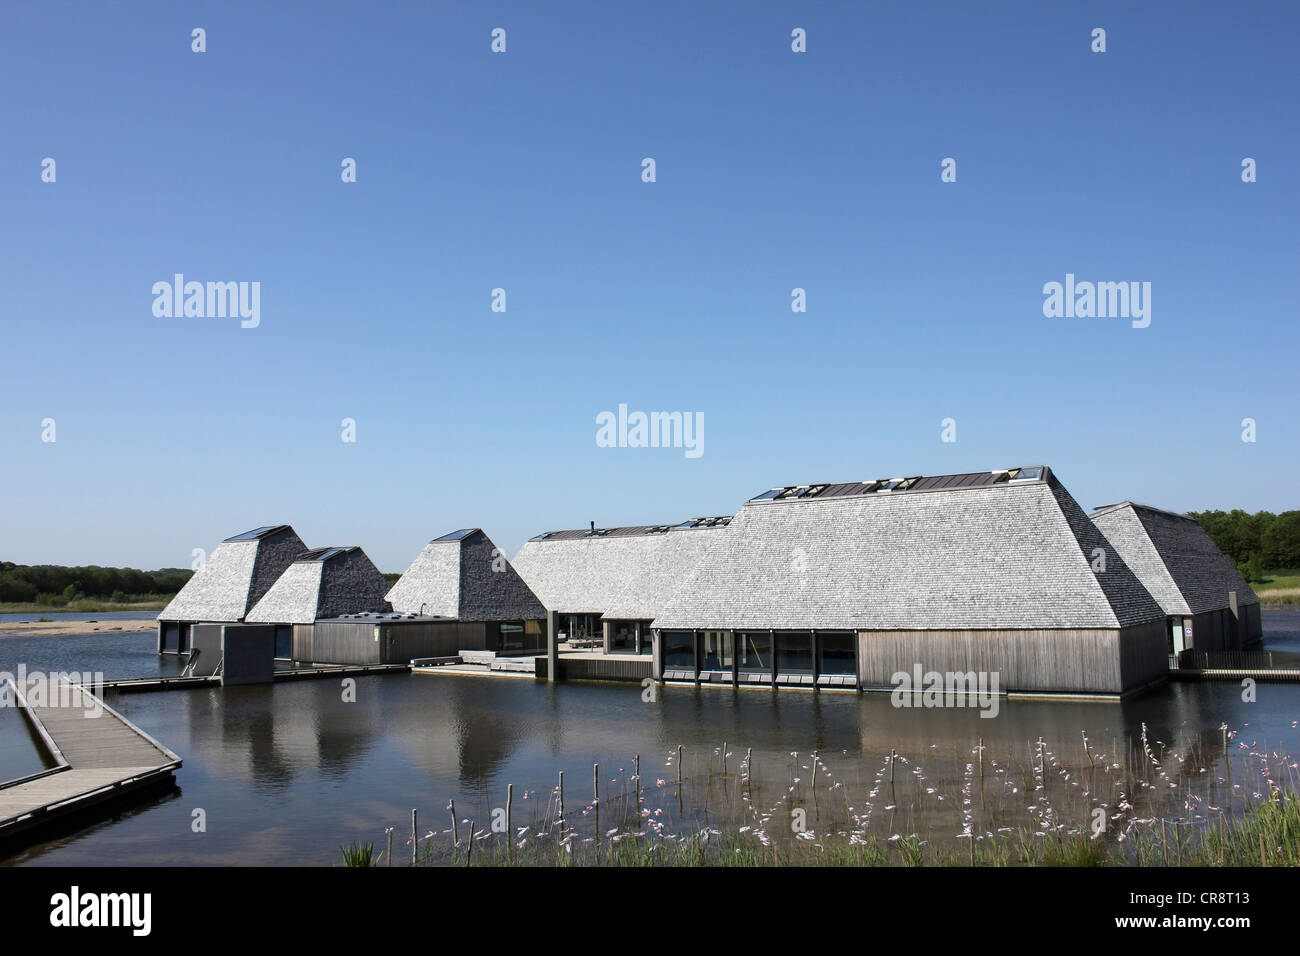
353 642
1049 661
593 669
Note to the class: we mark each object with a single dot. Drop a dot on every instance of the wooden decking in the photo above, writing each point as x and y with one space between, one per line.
97 758
1266 674
307 672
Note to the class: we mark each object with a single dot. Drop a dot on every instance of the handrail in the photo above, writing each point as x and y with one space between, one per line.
60 760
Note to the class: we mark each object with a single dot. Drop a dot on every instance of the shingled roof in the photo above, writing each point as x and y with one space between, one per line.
463 575
994 550
624 573
323 583
1174 557
235 575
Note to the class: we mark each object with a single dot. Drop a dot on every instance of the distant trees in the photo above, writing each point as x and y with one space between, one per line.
1255 542
55 584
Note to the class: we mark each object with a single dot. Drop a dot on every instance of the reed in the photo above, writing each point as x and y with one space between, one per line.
1151 803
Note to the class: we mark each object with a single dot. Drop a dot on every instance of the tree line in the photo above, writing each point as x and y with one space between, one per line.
1255 542
53 583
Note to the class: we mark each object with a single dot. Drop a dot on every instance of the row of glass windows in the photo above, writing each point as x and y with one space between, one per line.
761 652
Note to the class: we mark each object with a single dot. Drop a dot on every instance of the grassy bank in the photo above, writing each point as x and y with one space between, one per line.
1145 803
1279 587
89 606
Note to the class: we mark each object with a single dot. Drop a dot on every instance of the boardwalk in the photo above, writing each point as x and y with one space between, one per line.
97 758
310 672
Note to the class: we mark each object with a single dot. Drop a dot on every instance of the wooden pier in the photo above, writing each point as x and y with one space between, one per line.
1258 665
97 758
313 672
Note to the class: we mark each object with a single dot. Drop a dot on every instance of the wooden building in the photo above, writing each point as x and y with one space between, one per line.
846 585
460 593
608 584
1208 605
235 576
322 583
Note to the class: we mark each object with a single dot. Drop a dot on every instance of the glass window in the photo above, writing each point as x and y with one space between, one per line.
838 653
754 652
794 652
718 649
624 634
512 635
284 641
679 650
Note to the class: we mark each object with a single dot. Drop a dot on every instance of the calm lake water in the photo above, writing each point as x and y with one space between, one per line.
287 773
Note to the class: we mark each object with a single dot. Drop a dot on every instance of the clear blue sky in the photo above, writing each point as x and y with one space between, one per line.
522 170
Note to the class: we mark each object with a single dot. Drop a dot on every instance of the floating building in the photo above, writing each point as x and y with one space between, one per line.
849 584
323 583
235 576
1208 606
459 594
609 584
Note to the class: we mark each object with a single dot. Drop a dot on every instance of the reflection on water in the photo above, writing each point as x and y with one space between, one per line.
288 772
21 752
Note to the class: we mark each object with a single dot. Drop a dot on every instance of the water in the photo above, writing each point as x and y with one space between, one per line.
115 655
287 773
20 750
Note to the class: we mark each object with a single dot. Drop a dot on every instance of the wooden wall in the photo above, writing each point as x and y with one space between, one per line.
353 642
1095 661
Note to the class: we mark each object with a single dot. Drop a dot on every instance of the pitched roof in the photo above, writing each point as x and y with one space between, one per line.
1004 553
235 576
625 573
1174 557
463 575
645 593
323 583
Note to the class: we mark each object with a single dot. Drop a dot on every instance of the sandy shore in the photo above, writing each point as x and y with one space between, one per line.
57 628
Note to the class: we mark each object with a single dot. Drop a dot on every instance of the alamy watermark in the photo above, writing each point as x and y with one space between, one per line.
1100 300
210 300
921 688
57 689
651 430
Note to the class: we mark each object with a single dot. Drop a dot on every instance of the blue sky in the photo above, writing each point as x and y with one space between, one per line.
522 171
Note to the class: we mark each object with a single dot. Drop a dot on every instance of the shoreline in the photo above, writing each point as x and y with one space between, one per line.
67 628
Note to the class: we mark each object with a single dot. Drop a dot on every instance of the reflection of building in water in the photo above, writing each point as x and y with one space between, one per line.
272 733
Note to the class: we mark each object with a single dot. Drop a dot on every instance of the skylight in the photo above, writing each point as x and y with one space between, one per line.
321 554
255 533
457 535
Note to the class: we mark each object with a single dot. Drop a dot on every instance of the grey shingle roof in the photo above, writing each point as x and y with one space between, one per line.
982 556
469 579
645 593
235 577
626 573
1174 557
345 583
